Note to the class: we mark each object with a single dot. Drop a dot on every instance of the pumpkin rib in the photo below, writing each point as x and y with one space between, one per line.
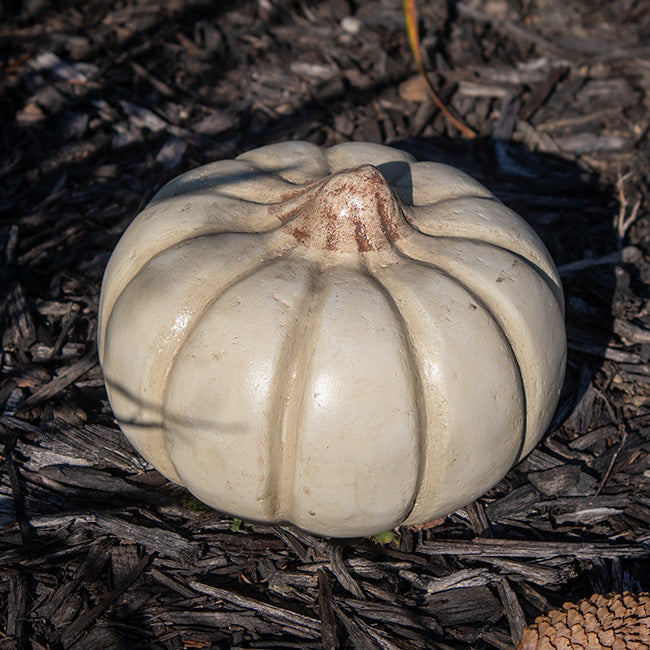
167 420
553 285
445 260
502 333
532 252
300 153
188 333
122 268
214 187
286 246
416 381
143 375
452 199
351 348
287 399
346 155
224 195
484 305
224 375
202 177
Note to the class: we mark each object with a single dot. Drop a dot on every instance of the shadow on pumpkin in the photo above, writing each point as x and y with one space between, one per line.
139 413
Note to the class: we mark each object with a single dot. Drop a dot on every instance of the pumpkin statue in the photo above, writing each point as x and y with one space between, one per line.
342 338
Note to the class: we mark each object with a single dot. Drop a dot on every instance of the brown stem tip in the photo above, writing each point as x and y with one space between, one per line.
350 211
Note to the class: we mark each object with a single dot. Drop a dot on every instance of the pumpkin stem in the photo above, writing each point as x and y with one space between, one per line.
350 211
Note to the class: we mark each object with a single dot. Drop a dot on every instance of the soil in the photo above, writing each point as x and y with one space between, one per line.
103 102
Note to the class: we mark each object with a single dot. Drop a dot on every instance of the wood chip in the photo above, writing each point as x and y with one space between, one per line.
63 380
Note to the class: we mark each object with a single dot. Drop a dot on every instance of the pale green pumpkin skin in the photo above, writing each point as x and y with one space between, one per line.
344 339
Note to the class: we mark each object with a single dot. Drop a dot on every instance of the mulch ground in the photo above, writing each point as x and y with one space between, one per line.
102 102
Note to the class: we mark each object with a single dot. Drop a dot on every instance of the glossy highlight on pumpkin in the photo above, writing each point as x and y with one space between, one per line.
344 339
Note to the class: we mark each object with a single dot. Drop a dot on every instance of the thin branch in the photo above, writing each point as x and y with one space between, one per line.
410 12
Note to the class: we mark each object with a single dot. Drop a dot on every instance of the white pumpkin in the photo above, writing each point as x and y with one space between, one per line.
343 338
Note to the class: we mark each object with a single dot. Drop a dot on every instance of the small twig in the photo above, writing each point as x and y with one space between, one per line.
628 254
607 404
623 431
410 13
624 222
56 385
18 495
514 613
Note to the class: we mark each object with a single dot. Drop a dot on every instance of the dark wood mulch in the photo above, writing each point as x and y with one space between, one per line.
102 102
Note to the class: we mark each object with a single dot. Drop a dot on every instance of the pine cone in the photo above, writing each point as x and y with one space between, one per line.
616 622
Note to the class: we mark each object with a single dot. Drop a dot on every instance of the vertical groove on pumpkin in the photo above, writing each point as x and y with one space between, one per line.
522 342
415 374
286 403
531 255
152 431
477 296
169 369
122 269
